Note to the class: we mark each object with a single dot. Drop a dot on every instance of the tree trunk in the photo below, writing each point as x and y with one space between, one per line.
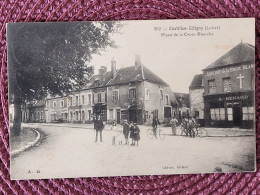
17 117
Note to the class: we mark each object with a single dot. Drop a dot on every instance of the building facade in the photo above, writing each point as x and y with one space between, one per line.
196 92
134 93
229 89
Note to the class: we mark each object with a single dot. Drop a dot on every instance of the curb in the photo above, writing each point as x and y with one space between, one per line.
28 145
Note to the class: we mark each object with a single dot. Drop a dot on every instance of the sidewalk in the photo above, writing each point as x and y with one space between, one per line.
212 132
28 138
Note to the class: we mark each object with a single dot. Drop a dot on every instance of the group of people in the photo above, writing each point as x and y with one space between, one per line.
130 130
133 130
188 126
156 122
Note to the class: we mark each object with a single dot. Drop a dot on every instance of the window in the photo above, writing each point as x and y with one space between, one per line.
47 104
230 114
248 113
77 115
54 104
123 114
61 103
212 86
111 114
77 100
99 97
89 114
41 116
69 101
73 100
82 99
132 93
89 99
155 113
167 99
161 94
115 95
147 94
217 114
227 84
82 115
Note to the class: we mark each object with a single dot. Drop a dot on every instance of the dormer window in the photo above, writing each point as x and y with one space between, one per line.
96 83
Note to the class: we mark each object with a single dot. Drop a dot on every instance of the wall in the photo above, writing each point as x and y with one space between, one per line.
54 113
124 102
81 111
246 70
197 102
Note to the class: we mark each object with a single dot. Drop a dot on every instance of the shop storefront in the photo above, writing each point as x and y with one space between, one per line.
230 110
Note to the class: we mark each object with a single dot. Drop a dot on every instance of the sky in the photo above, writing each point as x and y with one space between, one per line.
176 59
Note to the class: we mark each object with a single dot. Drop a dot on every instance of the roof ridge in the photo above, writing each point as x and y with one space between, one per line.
232 56
155 75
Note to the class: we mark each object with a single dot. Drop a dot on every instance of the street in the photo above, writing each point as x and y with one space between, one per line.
72 152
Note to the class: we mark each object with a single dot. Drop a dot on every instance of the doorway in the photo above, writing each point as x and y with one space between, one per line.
118 116
133 115
237 117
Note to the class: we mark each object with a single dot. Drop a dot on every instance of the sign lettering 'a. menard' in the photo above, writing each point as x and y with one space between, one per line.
231 98
231 69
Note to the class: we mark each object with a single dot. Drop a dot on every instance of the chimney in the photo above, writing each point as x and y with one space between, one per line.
138 60
101 71
105 68
113 68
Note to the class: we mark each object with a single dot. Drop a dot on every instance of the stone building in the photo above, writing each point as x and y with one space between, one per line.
33 112
196 92
134 93
229 89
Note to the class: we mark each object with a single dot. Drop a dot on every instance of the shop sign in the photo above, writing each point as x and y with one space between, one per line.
231 69
232 98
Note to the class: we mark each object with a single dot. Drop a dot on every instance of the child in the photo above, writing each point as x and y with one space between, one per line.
136 134
114 130
131 128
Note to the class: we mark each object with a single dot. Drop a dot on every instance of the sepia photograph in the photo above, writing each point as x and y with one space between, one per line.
124 98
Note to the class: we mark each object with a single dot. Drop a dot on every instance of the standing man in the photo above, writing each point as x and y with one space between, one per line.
98 126
155 123
126 129
173 123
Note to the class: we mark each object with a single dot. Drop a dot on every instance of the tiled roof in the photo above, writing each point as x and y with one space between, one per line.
103 80
196 83
150 76
241 53
135 74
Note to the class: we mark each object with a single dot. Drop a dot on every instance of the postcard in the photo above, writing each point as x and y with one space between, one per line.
124 98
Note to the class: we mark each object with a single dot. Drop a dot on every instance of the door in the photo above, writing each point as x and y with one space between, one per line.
133 115
118 116
237 117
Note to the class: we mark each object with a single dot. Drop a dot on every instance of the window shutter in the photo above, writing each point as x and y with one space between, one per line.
73 100
95 98
103 97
